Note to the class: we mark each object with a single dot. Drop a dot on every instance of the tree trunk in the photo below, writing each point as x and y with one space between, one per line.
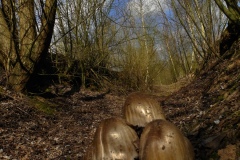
229 36
20 55
232 32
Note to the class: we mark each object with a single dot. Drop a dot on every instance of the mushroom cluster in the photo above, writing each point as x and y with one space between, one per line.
158 139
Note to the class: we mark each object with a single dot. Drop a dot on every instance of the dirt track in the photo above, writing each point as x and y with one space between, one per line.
207 111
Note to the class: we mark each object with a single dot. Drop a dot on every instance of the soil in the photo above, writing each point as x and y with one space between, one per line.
206 109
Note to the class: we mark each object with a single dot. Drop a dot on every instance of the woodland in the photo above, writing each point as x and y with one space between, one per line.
67 65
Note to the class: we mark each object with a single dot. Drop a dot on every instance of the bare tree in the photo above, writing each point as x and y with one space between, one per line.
199 22
82 37
139 61
232 10
231 33
23 44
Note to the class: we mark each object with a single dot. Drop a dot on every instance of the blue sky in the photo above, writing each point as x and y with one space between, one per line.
150 7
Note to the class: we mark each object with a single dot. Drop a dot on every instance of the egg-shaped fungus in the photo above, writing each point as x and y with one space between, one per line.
140 109
114 139
162 140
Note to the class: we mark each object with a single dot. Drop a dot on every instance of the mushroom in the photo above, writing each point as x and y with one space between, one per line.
140 109
161 139
114 139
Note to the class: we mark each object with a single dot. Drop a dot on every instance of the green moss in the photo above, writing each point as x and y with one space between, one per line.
236 114
218 98
214 156
45 108
43 105
67 158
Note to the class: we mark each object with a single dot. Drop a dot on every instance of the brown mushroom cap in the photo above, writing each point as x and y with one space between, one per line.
114 139
163 140
140 109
